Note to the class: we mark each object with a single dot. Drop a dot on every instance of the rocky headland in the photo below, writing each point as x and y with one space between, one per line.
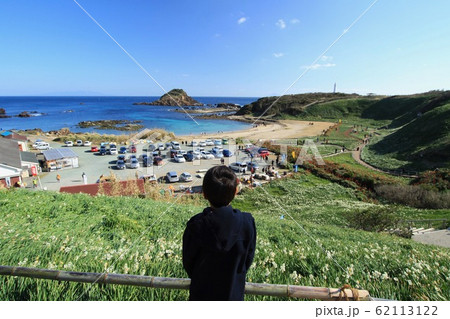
176 97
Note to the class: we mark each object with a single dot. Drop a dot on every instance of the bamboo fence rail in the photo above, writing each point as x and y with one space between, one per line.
291 291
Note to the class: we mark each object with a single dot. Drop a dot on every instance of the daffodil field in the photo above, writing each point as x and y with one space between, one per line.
303 239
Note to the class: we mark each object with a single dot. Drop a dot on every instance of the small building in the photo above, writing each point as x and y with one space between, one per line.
21 140
60 159
9 175
29 163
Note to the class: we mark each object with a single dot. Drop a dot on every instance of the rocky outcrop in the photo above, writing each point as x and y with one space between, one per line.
230 106
24 114
176 97
120 125
3 114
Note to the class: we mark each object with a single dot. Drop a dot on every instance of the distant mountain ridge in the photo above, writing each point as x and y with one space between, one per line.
175 97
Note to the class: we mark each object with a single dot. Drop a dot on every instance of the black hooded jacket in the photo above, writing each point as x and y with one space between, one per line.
218 249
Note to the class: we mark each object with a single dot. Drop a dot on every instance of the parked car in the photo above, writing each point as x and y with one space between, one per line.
132 156
188 157
133 149
252 164
103 150
227 153
263 151
202 144
120 164
217 153
151 178
41 146
225 141
196 155
94 149
123 150
168 145
161 147
238 167
121 158
134 163
146 161
172 153
179 158
175 145
87 143
113 149
151 147
217 142
185 177
194 144
158 161
79 143
172 177
208 143
68 143
207 155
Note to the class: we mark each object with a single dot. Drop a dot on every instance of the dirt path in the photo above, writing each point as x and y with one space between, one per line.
356 154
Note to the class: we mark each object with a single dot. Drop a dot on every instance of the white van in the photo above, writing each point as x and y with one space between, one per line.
175 145
42 146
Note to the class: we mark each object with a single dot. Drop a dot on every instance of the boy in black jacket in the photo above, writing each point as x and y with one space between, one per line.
219 243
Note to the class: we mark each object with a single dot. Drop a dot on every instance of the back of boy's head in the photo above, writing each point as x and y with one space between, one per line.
219 185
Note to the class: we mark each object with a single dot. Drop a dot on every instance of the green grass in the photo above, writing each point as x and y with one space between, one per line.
96 234
422 144
347 161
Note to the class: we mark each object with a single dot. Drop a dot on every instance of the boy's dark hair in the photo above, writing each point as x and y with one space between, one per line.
219 185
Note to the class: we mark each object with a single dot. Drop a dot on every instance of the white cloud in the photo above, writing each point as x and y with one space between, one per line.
281 24
278 55
295 21
241 20
319 66
326 58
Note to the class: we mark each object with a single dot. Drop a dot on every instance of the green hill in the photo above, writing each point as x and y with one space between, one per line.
417 135
143 236
423 143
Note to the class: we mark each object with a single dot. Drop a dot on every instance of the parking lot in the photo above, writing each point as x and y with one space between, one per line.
95 165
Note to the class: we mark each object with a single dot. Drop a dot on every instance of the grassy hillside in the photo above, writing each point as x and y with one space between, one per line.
423 143
419 124
142 236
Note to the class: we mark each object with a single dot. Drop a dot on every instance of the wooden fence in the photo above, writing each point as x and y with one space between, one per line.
291 291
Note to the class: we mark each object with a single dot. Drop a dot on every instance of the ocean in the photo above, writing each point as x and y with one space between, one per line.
54 113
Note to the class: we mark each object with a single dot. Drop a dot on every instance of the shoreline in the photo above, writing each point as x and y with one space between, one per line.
264 129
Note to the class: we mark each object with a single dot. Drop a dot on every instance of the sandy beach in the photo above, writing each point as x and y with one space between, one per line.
272 130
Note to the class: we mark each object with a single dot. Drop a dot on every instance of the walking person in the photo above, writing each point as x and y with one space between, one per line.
84 177
58 178
34 182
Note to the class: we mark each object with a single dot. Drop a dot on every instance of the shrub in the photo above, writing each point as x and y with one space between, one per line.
414 196
374 219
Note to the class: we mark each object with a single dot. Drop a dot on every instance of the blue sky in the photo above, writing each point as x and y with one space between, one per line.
223 47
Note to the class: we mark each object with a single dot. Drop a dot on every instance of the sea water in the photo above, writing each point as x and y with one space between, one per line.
54 113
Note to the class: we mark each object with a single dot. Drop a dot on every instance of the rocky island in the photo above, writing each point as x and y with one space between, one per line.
176 97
